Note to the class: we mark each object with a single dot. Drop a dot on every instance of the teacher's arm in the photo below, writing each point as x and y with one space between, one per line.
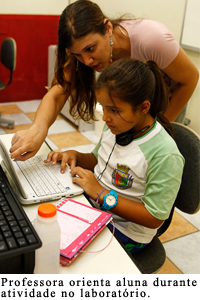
186 74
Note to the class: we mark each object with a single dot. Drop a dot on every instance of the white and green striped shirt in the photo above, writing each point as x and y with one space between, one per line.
148 170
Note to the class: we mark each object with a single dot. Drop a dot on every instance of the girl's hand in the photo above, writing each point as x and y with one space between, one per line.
87 181
66 158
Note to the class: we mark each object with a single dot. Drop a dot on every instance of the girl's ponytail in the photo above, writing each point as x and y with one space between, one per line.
161 99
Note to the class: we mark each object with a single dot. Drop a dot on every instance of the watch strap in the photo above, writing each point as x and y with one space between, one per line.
105 206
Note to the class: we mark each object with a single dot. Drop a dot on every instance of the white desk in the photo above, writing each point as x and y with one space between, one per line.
112 260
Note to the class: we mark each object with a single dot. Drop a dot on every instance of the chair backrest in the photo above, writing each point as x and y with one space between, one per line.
8 57
8 53
188 197
188 142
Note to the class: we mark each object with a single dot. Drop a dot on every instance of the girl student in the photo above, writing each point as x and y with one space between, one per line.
137 171
87 42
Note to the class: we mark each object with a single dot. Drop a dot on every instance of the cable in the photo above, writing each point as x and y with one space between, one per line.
106 245
101 174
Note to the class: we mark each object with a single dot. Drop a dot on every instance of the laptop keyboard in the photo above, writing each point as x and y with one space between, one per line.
17 234
40 177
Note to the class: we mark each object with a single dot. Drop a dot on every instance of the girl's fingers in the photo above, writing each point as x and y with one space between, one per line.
77 171
64 164
54 157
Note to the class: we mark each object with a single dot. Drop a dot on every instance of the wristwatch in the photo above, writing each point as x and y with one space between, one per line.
109 200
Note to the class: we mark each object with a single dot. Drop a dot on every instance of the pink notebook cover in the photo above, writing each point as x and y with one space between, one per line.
78 223
66 262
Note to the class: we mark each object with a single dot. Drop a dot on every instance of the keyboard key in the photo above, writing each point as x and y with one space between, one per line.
27 230
3 246
15 229
18 234
5 191
5 208
7 234
5 228
22 242
1 217
3 222
11 243
12 223
2 185
10 218
23 223
8 213
14 206
31 239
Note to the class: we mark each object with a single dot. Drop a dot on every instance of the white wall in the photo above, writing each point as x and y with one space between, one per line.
170 13
193 111
33 7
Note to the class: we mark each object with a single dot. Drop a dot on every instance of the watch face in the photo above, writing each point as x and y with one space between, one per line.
110 200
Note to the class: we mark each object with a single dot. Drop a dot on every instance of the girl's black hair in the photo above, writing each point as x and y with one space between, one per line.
134 81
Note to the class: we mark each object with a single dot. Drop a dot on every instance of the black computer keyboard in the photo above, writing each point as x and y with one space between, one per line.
18 238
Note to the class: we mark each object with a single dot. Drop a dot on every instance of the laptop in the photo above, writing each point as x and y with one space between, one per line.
34 181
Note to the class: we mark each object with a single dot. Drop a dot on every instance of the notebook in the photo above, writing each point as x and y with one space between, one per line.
33 180
79 224
66 262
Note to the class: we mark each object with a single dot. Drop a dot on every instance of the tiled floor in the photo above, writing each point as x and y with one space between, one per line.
182 239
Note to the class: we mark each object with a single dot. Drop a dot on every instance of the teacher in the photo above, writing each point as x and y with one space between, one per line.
88 41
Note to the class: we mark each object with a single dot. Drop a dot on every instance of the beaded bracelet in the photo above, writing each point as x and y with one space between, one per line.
99 195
